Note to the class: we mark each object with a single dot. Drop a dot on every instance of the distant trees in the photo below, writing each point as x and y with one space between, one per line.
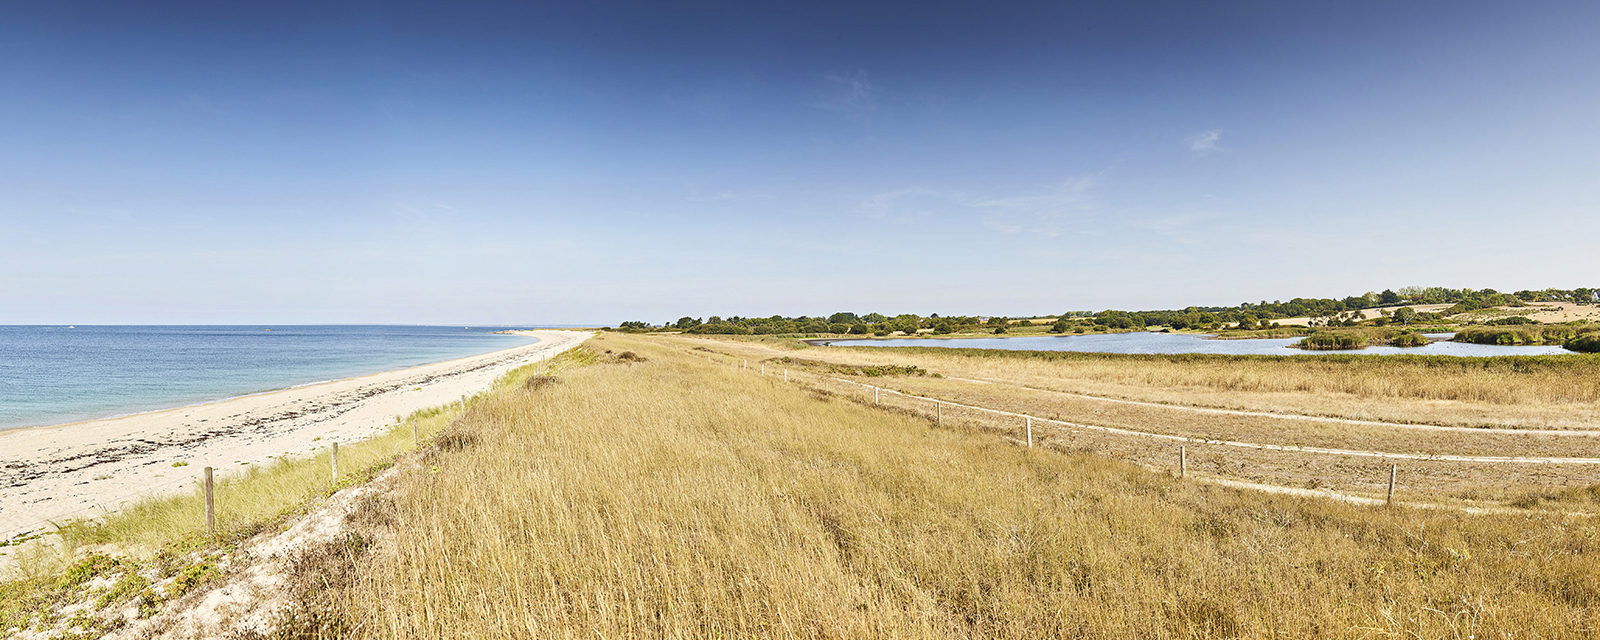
1322 312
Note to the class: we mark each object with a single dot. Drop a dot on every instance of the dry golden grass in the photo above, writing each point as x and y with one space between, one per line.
1552 392
677 498
1477 484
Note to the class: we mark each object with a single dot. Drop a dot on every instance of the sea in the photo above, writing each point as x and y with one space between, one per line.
58 374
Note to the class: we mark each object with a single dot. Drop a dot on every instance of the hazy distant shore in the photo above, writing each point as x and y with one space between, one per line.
80 469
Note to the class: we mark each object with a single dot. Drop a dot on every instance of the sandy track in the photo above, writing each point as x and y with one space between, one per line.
85 468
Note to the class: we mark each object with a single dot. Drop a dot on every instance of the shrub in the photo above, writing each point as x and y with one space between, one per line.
1586 343
1409 340
721 328
1328 340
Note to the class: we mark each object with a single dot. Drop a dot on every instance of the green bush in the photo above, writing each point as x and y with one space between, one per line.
1330 341
1586 343
1409 340
1519 334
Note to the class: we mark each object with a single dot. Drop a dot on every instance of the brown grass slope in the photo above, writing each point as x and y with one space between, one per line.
671 497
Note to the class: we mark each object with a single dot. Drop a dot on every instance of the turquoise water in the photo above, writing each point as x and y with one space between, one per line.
51 375
1172 343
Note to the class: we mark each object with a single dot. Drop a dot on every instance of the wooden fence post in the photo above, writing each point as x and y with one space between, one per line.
1390 499
416 435
1183 462
874 395
785 375
211 506
335 460
1030 431
938 411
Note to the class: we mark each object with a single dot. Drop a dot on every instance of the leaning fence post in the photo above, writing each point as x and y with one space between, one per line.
1390 499
335 460
1183 462
1030 431
211 506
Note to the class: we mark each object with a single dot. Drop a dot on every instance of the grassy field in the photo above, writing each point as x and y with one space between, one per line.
674 497
1540 392
647 492
1196 401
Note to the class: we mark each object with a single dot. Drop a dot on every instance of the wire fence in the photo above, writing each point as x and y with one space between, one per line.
20 526
1334 472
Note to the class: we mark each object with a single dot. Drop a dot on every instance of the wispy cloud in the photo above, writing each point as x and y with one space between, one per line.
1047 211
422 211
1184 228
1205 141
853 96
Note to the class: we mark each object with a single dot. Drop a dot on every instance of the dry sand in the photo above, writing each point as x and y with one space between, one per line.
84 469
1367 314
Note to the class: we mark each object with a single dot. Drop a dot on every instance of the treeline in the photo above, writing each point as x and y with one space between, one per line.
1247 315
843 322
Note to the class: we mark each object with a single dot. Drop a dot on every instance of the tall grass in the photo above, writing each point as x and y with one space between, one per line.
1560 391
248 501
1532 334
676 498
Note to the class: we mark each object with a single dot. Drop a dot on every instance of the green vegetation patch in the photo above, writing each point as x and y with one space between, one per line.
868 371
1523 334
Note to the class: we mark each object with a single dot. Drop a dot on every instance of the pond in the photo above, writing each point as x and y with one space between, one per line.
1152 342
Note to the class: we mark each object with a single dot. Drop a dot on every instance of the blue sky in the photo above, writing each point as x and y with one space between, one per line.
528 162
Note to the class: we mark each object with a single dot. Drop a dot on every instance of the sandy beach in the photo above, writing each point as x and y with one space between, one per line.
83 469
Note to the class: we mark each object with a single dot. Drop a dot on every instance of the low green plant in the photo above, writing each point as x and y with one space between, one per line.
1585 343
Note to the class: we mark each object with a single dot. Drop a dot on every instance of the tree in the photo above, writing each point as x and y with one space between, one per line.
1389 297
1405 315
843 317
687 322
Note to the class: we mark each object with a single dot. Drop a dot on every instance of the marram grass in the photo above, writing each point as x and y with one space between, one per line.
678 498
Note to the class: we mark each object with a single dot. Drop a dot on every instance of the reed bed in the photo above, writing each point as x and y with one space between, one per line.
666 496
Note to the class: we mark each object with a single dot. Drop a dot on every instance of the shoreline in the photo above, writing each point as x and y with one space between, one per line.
207 399
85 468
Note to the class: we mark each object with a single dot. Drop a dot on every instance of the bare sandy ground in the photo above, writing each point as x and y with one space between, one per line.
1368 314
84 469
1546 312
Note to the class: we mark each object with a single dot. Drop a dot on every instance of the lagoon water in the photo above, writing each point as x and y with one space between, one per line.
51 375
1172 343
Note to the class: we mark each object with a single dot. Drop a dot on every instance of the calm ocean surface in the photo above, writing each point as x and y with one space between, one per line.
1149 342
54 374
